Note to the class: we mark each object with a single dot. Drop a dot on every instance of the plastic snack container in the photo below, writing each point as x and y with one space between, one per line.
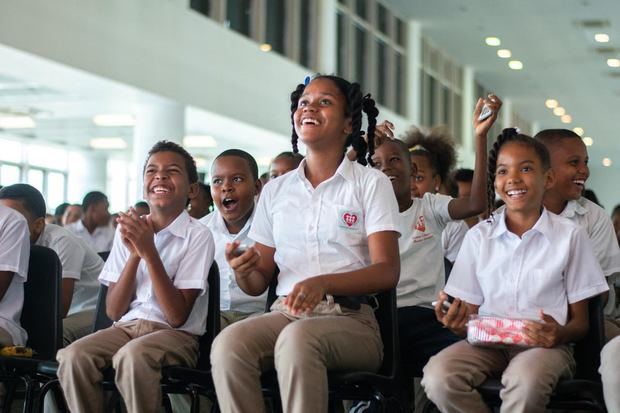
497 331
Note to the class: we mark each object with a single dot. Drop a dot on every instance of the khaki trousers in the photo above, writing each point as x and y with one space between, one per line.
5 338
610 374
301 350
137 350
76 326
528 376
229 317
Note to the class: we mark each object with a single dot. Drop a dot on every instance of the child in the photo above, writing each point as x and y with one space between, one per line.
331 228
80 264
234 186
72 214
94 226
200 205
523 262
569 161
157 281
610 374
283 163
14 255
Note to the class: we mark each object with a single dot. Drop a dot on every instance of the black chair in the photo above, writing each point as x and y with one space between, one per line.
583 392
104 255
41 318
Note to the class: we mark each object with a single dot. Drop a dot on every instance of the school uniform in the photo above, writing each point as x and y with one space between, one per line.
235 305
142 341
99 240
452 237
314 231
81 263
610 374
551 266
14 256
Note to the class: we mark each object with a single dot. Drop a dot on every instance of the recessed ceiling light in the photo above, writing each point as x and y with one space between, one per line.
613 62
607 162
492 41
16 122
515 65
601 37
588 141
559 111
504 53
114 120
551 103
566 119
199 141
265 47
578 131
108 143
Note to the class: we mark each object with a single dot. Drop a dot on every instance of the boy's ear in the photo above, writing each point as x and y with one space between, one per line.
549 178
193 191
258 186
37 228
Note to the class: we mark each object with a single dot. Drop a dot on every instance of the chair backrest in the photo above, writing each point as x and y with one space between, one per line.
588 349
271 290
213 318
41 314
101 320
447 267
104 255
387 317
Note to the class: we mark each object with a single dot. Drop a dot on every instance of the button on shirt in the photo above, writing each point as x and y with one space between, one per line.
323 230
14 256
232 296
186 249
100 240
551 266
79 262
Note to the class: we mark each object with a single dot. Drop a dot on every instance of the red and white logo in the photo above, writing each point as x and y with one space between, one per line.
349 219
420 226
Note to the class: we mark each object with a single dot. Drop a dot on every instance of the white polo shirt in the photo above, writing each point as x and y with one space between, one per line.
186 249
551 266
14 256
422 273
323 230
232 296
100 240
597 224
79 262
452 237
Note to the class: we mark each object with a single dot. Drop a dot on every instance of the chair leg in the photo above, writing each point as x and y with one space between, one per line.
29 394
165 401
195 406
9 394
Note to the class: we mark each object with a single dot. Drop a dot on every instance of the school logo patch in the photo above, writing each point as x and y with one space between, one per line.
420 225
348 219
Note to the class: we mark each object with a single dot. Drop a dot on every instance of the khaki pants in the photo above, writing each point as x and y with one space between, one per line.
229 317
528 376
5 338
76 326
610 374
301 350
137 350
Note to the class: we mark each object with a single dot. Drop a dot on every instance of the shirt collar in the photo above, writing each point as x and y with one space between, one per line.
178 227
221 225
574 207
345 169
542 225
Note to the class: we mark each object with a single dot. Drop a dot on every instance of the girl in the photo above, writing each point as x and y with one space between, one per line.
523 262
330 227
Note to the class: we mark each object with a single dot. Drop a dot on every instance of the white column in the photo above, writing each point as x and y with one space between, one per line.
327 37
414 62
154 122
506 114
468 109
535 127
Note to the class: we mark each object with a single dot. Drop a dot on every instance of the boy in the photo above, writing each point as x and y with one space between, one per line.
200 205
80 264
283 163
569 161
234 186
94 226
157 282
14 255
72 214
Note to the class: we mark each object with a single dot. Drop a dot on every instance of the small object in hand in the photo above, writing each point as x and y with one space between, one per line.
16 351
240 250
445 305
485 113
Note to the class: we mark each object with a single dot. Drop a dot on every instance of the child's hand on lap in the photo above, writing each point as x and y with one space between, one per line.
243 264
305 295
456 317
138 231
547 333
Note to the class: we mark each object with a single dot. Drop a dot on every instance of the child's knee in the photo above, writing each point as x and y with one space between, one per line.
74 354
435 376
132 354
230 344
296 344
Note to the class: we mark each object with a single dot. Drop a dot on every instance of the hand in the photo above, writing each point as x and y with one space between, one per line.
305 295
494 103
244 264
547 333
457 315
138 232
384 131
126 242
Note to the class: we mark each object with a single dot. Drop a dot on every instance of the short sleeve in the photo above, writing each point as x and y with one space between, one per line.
583 277
463 282
438 204
194 268
15 245
116 261
71 255
381 207
262 224
452 238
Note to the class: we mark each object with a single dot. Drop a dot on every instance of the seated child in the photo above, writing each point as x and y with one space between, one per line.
157 282
234 187
80 264
94 225
523 262
201 204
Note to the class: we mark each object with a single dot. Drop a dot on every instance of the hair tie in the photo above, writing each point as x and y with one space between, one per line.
306 80
418 147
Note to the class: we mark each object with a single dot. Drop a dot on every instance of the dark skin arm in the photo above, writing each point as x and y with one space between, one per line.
67 295
457 315
549 333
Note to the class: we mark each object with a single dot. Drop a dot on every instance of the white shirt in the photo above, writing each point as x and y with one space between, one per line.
100 240
551 266
186 249
323 230
452 237
14 256
79 262
232 296
422 273
593 219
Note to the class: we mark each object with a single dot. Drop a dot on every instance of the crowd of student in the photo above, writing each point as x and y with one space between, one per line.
361 213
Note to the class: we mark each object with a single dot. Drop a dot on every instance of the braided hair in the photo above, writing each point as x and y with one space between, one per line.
511 135
356 104
436 145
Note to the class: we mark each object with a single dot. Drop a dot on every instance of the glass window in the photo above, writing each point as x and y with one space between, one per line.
55 188
342 49
360 54
47 157
400 32
275 25
432 102
9 175
11 151
382 71
35 178
401 84
202 6
361 8
445 105
305 44
238 15
383 18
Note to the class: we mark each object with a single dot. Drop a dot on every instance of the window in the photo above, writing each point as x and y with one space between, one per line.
36 178
238 13
56 189
275 25
9 174
360 54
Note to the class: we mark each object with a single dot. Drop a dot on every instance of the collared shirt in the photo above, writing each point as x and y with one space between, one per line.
100 240
452 237
597 224
550 266
14 255
79 262
232 296
186 250
323 230
422 273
